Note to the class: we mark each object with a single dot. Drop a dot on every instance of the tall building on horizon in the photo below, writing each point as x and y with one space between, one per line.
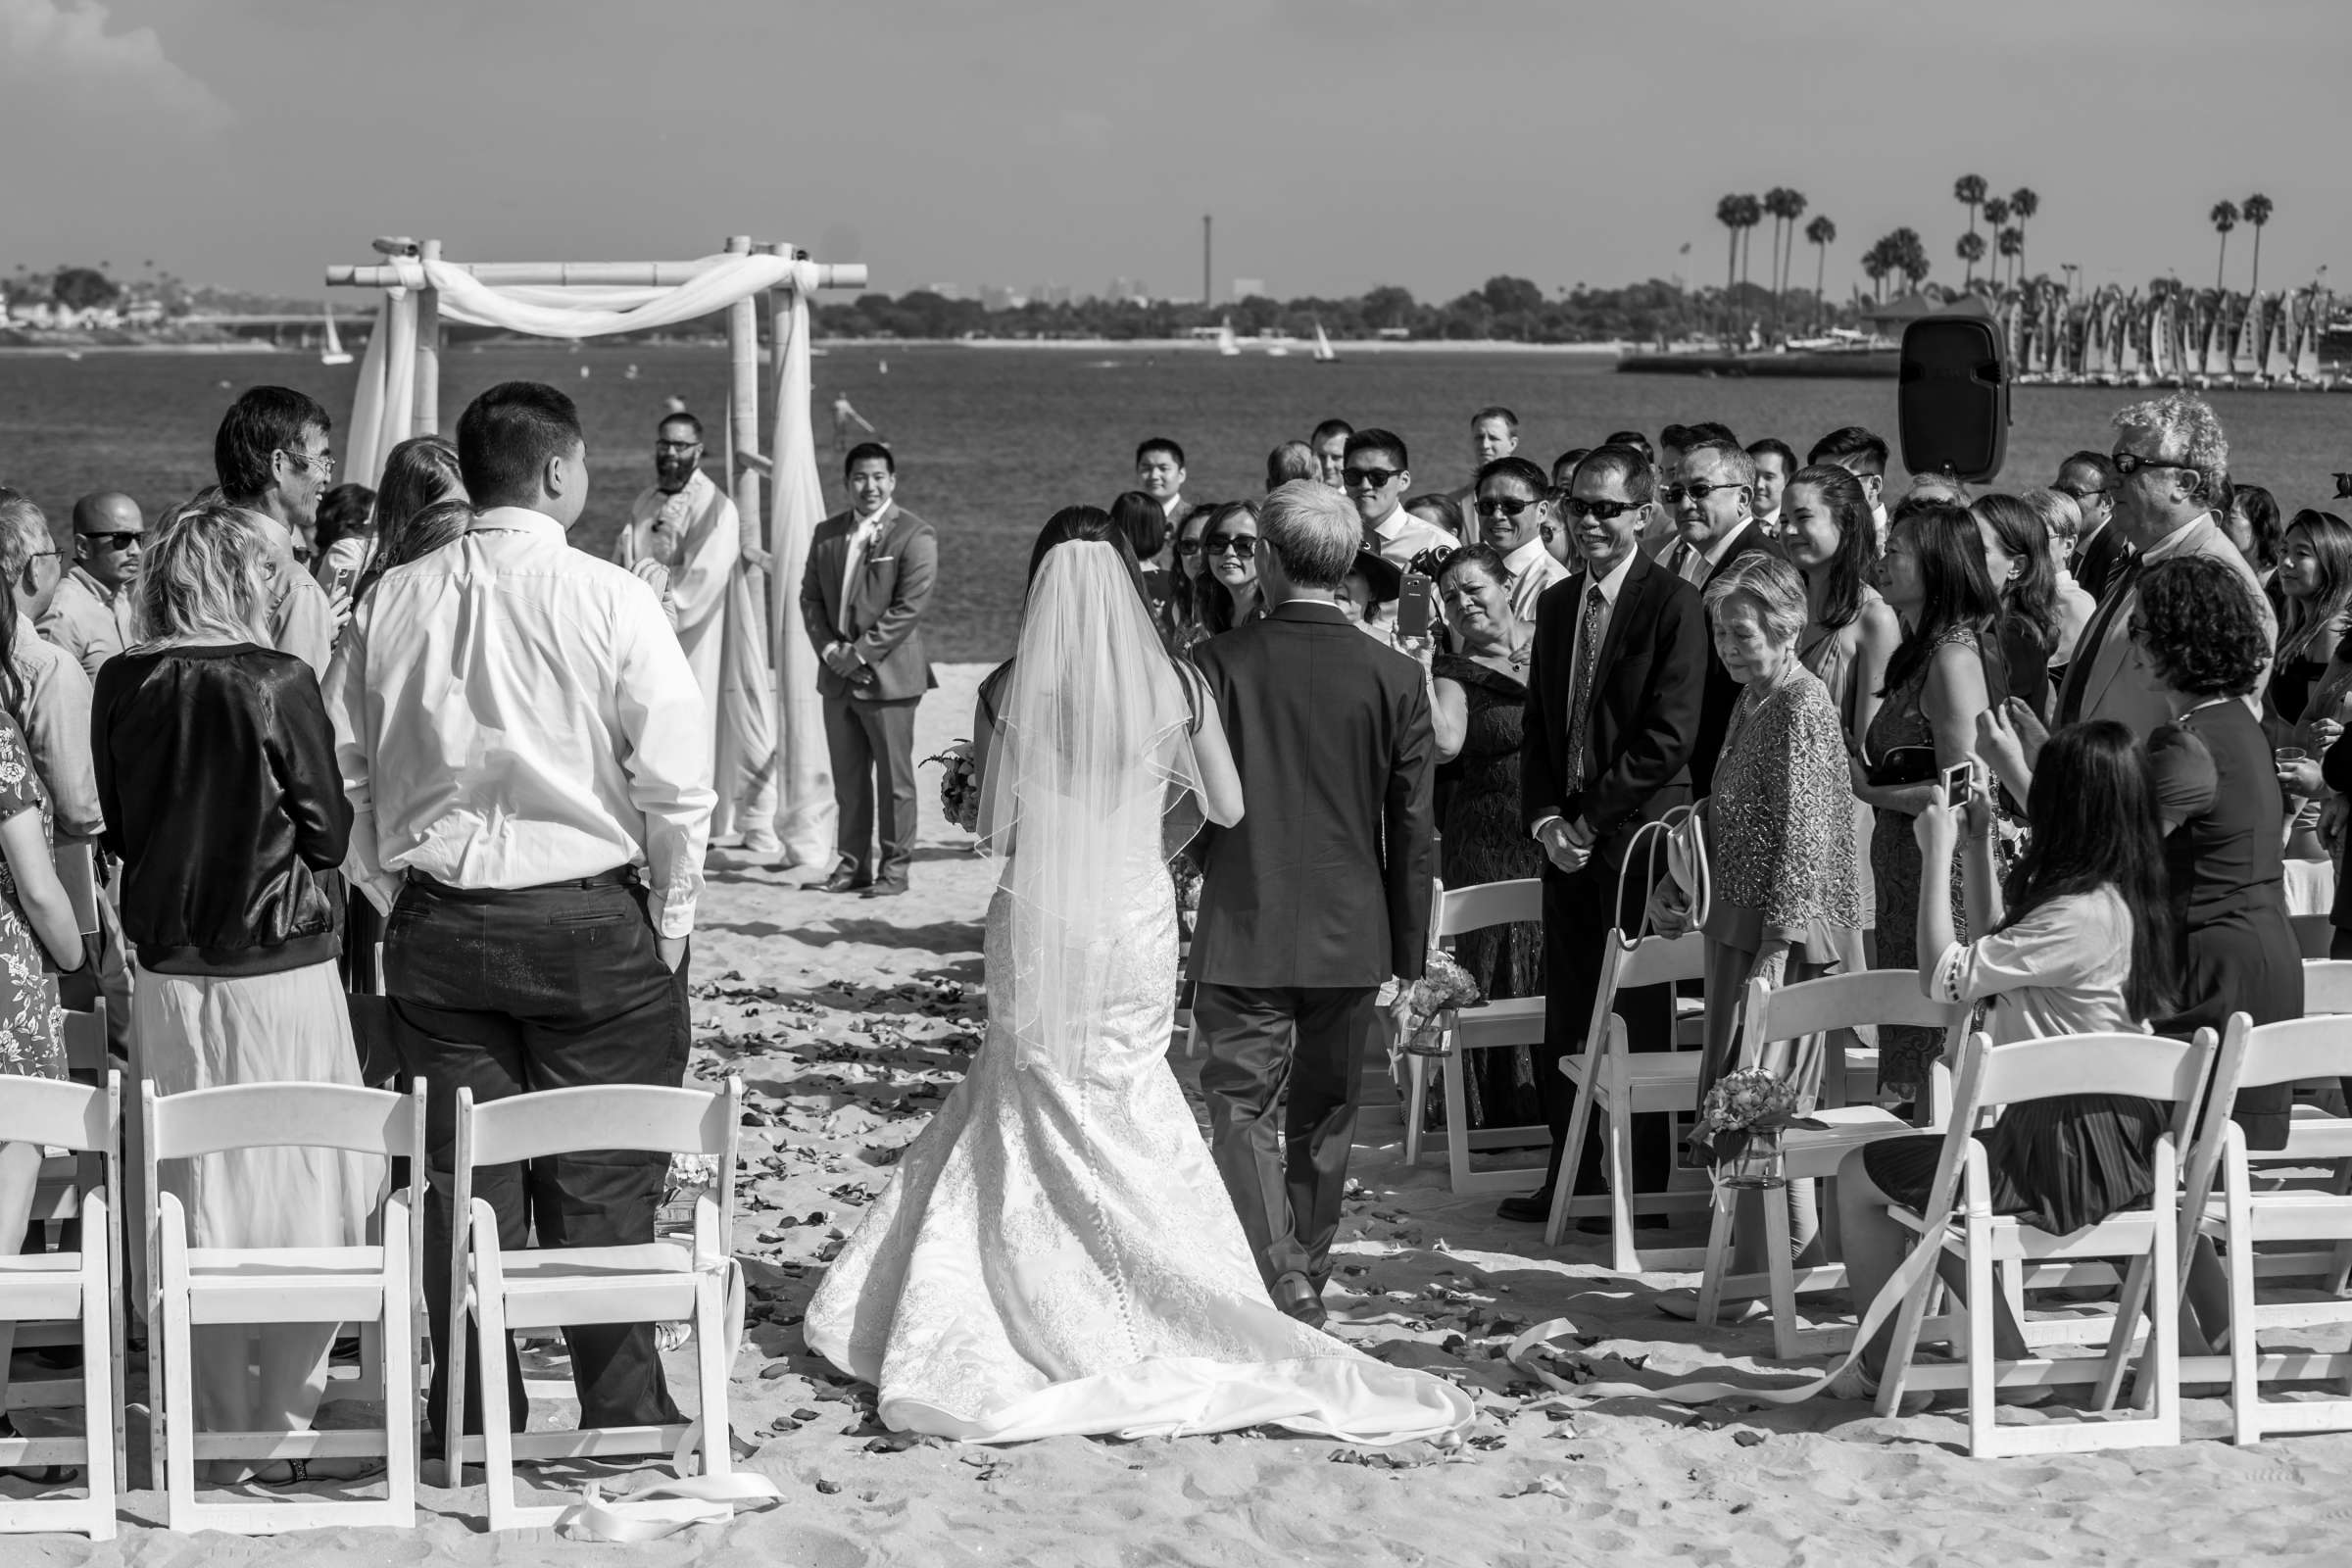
1131 288
1249 287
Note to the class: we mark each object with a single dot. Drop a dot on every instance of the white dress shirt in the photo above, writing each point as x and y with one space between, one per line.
1533 569
1697 565
1610 587
1402 536
861 544
511 712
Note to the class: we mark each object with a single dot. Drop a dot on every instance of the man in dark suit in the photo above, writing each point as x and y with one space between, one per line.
2101 551
1613 702
1320 894
1713 497
869 580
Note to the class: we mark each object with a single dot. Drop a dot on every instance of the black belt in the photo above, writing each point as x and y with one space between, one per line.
620 876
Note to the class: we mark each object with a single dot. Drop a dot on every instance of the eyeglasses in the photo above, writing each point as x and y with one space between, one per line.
1697 490
1503 505
1231 544
114 541
2127 464
1604 510
323 461
1369 479
2080 495
1188 547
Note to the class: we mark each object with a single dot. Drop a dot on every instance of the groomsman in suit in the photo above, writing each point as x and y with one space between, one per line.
862 597
1314 899
2101 551
1712 498
1613 696
1160 474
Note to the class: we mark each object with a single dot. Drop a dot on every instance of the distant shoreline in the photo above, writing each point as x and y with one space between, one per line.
1251 348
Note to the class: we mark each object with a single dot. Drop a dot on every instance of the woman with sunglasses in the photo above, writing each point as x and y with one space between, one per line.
1229 555
1190 586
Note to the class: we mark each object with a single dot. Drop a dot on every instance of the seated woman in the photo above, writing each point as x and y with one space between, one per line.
2083 945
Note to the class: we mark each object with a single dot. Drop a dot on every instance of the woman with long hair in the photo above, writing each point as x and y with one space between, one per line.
1056 1253
1190 586
1229 548
2310 682
1144 524
216 770
2062 524
2078 941
1946 672
411 521
2017 558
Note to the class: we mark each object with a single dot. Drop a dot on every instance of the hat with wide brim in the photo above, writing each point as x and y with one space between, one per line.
1387 580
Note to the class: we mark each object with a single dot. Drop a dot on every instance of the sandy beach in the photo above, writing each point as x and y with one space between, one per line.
851 1020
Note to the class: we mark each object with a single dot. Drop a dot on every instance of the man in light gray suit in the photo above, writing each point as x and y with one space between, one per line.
2170 459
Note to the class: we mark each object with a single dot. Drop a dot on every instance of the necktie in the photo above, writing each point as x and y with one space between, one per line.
860 542
2094 638
1579 697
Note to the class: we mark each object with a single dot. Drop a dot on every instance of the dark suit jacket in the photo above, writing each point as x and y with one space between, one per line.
1645 706
886 604
2101 562
1325 881
1722 691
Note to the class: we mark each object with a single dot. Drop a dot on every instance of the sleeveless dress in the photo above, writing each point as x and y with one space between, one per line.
32 1041
1835 653
1057 1255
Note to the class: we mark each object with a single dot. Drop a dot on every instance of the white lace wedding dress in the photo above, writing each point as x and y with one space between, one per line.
1059 1256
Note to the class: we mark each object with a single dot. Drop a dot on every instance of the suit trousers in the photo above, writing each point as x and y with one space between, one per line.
511 992
873 751
1301 1048
1577 918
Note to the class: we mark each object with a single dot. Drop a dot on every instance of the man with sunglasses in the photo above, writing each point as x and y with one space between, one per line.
2101 550
271 456
684 538
1514 508
2171 457
1613 696
1714 518
1376 475
93 617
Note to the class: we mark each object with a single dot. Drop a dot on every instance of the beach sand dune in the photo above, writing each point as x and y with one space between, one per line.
850 1021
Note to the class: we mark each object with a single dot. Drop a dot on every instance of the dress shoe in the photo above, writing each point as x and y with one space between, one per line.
1529 1209
884 890
845 879
1296 1298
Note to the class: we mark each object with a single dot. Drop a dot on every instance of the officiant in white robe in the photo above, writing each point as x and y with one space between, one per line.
685 538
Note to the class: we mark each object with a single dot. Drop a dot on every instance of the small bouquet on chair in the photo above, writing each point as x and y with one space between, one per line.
1739 1127
1444 986
959 786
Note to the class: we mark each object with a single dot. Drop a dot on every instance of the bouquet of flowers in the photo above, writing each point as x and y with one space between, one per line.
959 786
1745 1110
1443 985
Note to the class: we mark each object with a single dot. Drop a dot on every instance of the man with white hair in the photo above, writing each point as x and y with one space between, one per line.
1317 897
2170 457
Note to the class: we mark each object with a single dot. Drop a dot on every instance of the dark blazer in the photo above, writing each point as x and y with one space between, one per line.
886 604
2101 562
1325 881
1722 691
1645 706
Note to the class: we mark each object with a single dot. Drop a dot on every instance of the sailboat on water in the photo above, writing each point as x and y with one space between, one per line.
2245 352
1325 353
1227 346
334 352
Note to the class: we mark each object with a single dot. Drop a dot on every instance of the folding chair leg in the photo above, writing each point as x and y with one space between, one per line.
2118 1348
1981 1309
1719 1256
1416 1103
101 1409
711 1360
1779 1264
498 1438
177 1404
2245 1348
1624 1256
1571 1155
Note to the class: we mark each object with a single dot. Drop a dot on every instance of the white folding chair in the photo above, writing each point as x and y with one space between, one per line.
2240 1218
57 1199
1504 1022
2327 986
654 1282
1775 1016
376 1284
1620 1084
1958 1217
76 1287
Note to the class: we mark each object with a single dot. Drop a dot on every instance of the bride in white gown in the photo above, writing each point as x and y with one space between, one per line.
1056 1253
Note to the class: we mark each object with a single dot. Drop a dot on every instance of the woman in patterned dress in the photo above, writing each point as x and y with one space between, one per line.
38 931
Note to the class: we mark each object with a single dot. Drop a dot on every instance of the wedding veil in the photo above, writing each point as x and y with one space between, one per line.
1090 772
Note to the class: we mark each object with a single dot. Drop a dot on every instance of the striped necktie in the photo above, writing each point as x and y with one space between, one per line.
1579 697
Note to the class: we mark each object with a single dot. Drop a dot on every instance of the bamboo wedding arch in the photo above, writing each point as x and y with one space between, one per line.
400 395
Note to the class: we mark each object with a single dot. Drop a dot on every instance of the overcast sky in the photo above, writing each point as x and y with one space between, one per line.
1341 143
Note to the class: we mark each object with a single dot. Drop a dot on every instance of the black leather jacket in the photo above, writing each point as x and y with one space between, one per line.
216 771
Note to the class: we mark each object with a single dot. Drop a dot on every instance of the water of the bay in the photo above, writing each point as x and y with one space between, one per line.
990 440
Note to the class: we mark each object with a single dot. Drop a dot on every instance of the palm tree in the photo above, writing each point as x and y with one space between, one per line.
1909 255
2025 204
2012 243
1727 213
1969 191
1877 263
2257 211
1821 234
1970 250
2224 219
1997 214
1751 213
1794 203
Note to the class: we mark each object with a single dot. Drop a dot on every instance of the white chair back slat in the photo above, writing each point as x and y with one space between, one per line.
2149 1066
1843 1002
564 1121
2327 985
2284 1053
280 1115
1659 960
54 1112
1489 903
